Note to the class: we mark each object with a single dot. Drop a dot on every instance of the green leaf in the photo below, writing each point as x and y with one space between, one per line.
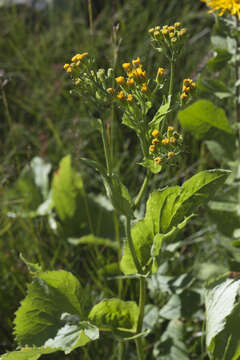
201 116
222 319
54 300
151 165
119 195
159 116
115 314
142 237
171 345
33 268
72 336
93 240
66 185
167 212
41 171
28 353
196 191
219 60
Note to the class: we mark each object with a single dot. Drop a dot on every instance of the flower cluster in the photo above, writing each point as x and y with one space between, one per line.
134 84
90 83
165 147
223 6
76 62
169 38
188 88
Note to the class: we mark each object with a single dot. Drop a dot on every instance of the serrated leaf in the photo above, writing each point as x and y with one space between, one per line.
201 116
115 314
221 309
27 353
72 336
50 295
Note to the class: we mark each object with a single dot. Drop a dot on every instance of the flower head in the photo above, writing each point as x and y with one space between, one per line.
222 6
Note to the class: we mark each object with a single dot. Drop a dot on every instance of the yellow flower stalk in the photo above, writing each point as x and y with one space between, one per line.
223 6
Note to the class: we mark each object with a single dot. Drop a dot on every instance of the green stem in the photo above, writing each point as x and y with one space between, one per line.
90 16
131 246
142 190
172 68
139 349
117 234
142 296
106 149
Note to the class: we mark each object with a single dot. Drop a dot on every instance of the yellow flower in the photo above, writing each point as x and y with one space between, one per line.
151 30
170 129
121 95
164 31
130 98
144 88
69 69
126 66
130 82
77 81
110 90
155 133
172 139
158 160
170 154
66 66
184 96
155 141
222 6
165 141
152 148
160 71
120 79
136 62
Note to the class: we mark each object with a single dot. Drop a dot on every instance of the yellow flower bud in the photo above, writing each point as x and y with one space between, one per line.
130 98
177 24
111 91
151 30
120 79
160 71
130 82
152 148
144 88
170 129
155 133
77 81
158 160
184 96
155 141
136 62
126 66
164 32
171 28
121 95
66 66
172 140
170 154
171 34
165 141
69 69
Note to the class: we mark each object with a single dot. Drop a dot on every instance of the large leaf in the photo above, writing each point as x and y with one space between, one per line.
222 319
201 116
27 353
115 314
52 310
167 212
142 237
65 187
